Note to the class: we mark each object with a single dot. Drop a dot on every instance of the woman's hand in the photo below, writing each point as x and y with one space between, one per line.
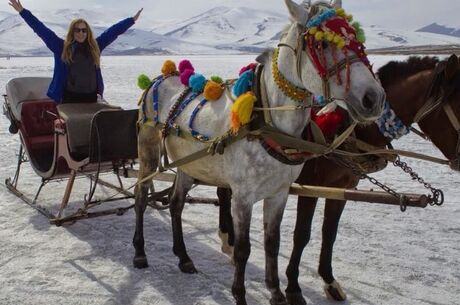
16 4
135 17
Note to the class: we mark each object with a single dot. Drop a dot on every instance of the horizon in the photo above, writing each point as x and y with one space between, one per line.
408 15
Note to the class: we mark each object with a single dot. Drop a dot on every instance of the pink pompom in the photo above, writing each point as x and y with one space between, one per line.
185 76
248 67
185 65
328 122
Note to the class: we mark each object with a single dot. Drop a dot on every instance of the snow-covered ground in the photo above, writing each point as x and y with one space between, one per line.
382 256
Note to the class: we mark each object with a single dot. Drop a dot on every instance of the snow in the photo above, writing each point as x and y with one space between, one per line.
382 256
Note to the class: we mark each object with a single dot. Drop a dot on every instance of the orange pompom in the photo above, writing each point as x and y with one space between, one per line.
169 67
212 91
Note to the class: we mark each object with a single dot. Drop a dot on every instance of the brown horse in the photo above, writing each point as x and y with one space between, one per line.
409 86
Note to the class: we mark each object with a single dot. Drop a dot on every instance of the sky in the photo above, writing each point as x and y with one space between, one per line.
398 14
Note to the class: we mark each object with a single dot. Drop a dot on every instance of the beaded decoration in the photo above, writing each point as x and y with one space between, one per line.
390 125
193 132
293 92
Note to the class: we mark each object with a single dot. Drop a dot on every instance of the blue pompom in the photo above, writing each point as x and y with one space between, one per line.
244 83
197 83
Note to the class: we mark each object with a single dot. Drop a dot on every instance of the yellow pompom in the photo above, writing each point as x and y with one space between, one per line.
349 17
319 36
313 30
242 110
340 12
169 67
329 36
212 91
341 44
336 39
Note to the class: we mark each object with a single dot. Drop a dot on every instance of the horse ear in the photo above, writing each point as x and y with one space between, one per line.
297 12
451 67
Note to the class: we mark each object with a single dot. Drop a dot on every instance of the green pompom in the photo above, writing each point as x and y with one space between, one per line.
359 32
143 81
217 79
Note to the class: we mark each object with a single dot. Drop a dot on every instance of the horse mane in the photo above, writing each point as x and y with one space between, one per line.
396 70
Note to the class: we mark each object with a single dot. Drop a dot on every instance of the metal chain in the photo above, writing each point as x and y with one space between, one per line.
403 200
437 197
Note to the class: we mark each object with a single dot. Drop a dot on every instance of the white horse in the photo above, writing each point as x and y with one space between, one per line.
245 166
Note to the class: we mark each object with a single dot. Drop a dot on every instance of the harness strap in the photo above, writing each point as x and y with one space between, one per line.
427 108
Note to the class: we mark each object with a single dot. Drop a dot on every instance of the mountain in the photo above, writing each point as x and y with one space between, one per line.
220 30
440 29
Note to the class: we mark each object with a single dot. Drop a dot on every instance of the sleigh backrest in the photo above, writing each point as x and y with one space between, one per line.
26 89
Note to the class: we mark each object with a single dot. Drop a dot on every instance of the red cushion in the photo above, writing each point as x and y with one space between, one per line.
35 121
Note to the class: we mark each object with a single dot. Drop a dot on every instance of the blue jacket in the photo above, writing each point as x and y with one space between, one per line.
56 45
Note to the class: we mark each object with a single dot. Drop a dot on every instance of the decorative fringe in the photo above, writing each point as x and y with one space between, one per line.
169 67
197 82
244 83
143 81
212 91
242 110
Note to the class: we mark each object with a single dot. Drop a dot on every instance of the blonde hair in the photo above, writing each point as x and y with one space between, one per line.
93 46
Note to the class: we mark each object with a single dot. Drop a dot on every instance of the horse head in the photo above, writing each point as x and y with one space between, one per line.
323 53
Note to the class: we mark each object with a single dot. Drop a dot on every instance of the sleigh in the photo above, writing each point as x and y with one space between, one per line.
61 142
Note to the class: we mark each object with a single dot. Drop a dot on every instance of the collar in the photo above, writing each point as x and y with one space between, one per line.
390 125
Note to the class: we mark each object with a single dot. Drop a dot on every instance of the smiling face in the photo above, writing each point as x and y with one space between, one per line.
80 32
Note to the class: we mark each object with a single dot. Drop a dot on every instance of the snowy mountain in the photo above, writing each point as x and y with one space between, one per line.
220 30
440 29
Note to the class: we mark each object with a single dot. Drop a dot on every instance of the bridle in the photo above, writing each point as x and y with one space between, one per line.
434 103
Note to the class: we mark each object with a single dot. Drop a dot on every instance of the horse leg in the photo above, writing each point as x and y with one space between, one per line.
226 233
242 213
182 185
332 212
148 163
273 214
305 211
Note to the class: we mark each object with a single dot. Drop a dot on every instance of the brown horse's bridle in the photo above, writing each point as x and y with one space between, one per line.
433 104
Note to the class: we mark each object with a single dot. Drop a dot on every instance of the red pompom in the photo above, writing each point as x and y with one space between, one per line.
328 122
252 67
185 65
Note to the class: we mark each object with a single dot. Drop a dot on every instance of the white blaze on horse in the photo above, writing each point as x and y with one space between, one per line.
303 65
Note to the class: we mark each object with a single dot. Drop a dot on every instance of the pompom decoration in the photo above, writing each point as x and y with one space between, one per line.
197 83
185 76
251 66
242 110
169 67
328 122
185 65
143 81
212 91
244 83
217 79
359 32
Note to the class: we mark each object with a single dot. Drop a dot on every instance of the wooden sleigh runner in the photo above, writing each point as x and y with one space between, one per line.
69 140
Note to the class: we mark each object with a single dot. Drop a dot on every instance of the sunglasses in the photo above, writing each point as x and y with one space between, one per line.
77 30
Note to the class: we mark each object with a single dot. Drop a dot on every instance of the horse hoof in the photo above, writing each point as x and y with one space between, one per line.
187 267
295 299
140 262
278 299
334 291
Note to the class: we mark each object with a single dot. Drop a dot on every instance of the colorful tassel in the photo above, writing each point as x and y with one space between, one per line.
212 91
251 66
185 65
143 81
242 110
185 76
169 67
197 82
328 122
243 84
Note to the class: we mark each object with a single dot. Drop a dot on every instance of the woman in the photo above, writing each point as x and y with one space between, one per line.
77 73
